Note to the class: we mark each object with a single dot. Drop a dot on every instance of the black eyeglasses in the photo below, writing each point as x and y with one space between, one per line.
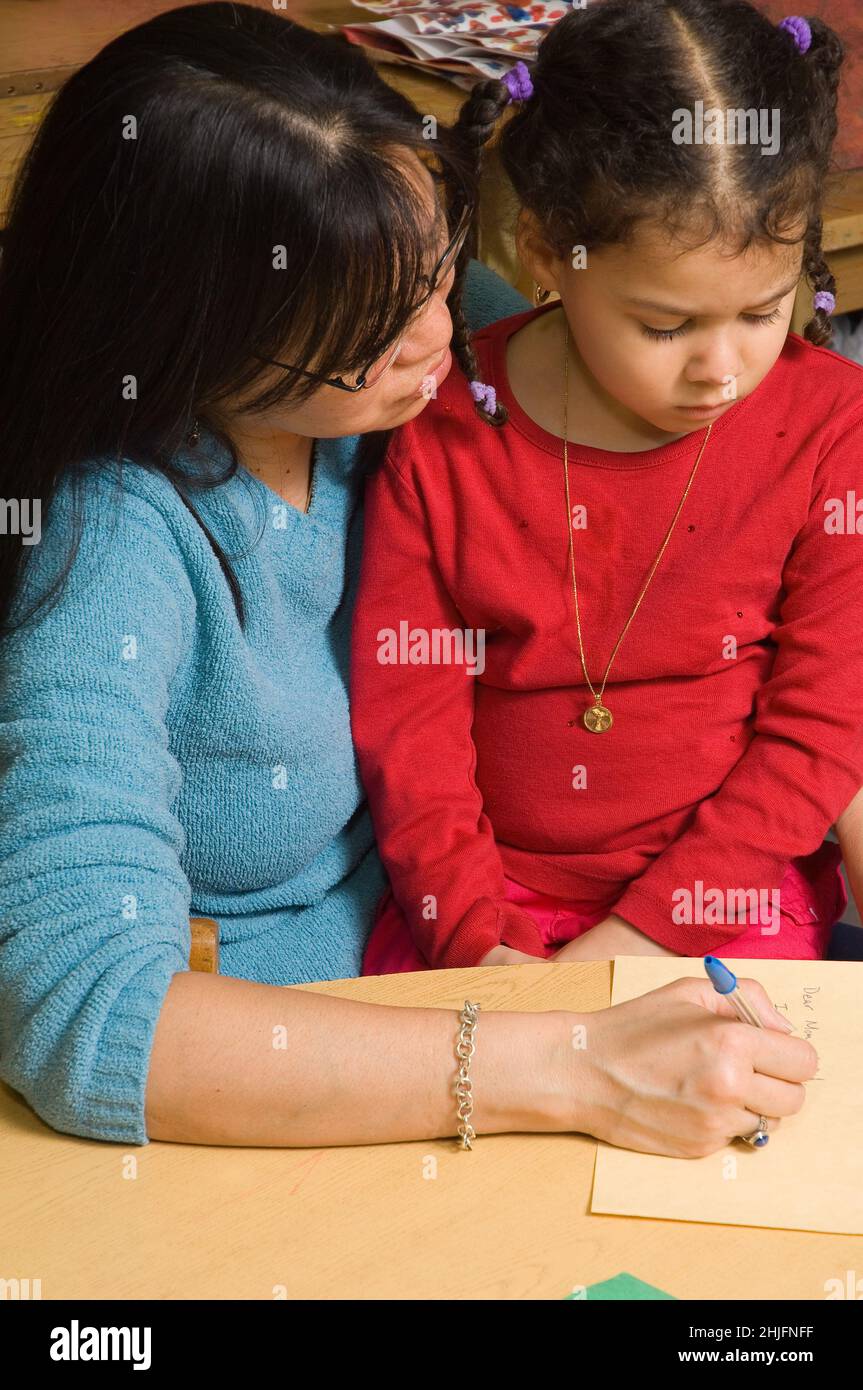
377 369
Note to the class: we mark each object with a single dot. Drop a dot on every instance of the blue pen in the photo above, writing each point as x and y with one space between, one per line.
724 981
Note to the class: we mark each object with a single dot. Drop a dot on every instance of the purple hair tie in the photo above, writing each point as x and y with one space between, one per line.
519 83
486 394
799 29
825 300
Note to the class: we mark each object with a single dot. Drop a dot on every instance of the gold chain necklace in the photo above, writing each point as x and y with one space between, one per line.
598 717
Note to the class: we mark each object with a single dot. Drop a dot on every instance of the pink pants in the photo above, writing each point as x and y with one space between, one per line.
812 899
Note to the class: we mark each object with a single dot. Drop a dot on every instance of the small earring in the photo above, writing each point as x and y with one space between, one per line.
194 435
540 295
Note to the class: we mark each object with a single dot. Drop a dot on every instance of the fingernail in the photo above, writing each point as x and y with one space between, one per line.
783 1022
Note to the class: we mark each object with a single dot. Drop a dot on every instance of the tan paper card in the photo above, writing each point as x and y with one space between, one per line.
810 1175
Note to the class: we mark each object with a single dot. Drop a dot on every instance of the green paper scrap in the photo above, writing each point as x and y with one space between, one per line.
622 1286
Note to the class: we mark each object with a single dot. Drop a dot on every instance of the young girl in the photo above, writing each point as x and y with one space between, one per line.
608 650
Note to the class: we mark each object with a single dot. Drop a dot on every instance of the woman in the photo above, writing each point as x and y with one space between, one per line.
228 265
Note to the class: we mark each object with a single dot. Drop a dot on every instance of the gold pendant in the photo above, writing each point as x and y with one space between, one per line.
597 718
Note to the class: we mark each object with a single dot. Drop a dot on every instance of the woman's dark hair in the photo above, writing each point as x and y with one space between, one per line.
142 238
590 153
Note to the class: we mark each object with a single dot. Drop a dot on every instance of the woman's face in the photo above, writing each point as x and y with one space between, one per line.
423 362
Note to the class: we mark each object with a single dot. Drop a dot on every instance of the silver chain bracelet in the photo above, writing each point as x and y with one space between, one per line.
464 1050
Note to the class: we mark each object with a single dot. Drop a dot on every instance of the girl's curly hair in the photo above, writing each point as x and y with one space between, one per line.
590 154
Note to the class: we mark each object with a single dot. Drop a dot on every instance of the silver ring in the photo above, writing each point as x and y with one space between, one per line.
759 1137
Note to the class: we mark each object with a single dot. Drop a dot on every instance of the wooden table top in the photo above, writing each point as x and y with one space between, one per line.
423 1220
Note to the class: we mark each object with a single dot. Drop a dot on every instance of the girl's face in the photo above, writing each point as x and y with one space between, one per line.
423 362
662 329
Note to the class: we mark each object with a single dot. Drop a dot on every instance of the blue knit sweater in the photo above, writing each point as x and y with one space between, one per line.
156 763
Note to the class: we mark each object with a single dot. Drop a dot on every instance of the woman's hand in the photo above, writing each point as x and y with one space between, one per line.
611 937
675 1071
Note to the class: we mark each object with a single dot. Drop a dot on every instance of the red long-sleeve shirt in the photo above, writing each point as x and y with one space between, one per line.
720 767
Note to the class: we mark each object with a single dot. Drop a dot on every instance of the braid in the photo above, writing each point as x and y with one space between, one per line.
819 329
476 122
825 57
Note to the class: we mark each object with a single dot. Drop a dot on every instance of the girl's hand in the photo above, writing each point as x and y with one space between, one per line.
507 955
611 937
849 833
675 1072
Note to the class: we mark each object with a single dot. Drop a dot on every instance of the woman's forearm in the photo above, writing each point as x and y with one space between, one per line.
236 1062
